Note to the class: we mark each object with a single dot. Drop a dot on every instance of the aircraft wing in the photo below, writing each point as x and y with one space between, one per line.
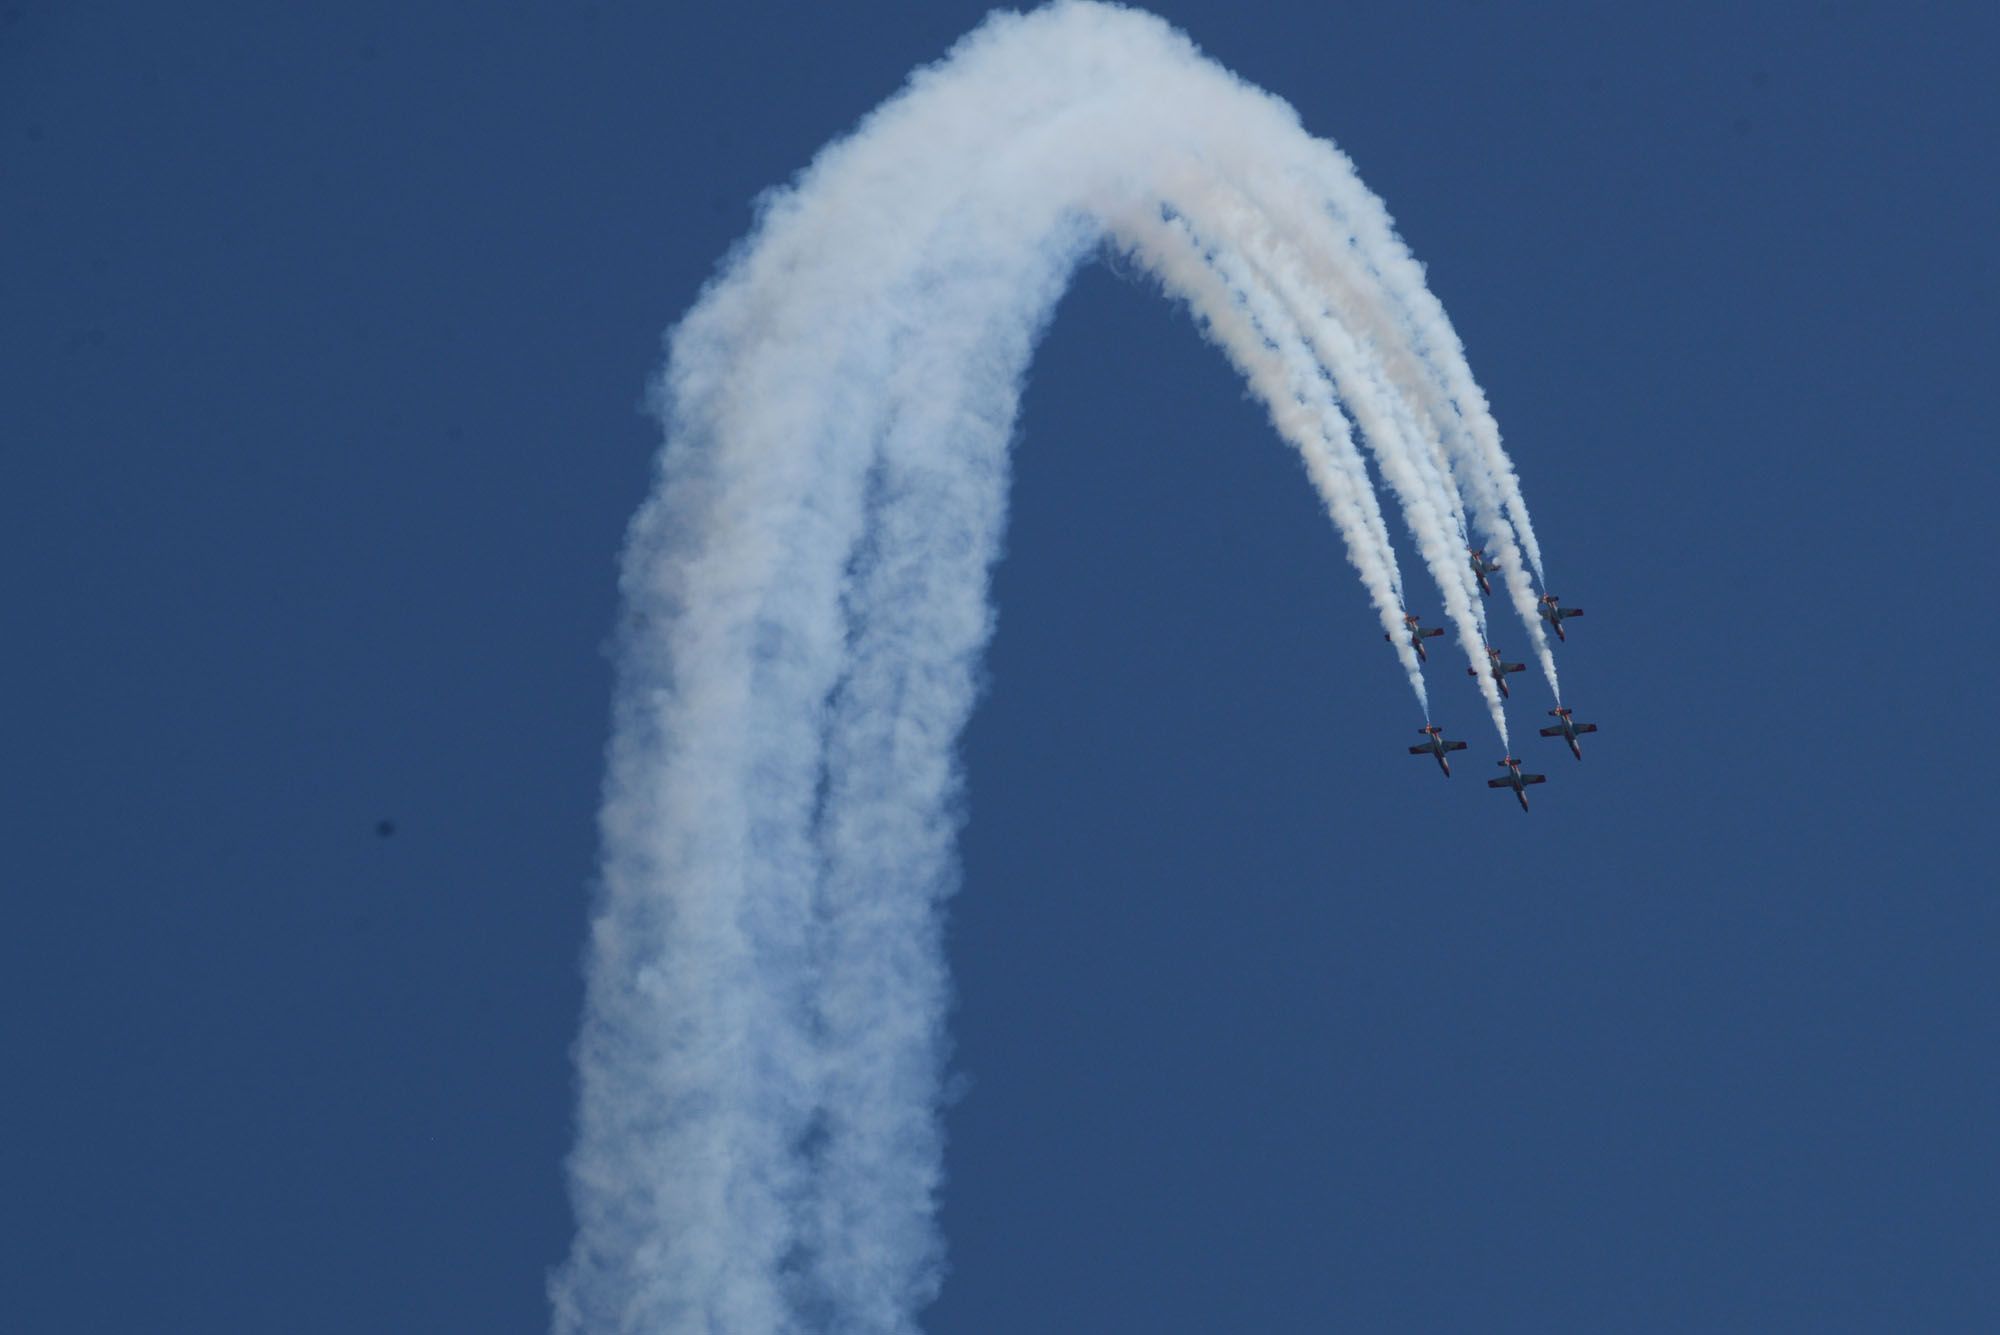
1514 667
1555 732
1432 633
1534 778
1499 783
1572 611
1586 727
1420 750
1454 746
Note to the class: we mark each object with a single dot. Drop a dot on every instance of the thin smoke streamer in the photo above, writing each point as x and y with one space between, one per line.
805 597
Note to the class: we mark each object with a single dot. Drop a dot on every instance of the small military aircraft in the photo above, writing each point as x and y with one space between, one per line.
1418 635
1567 728
1555 614
1482 566
1516 780
1497 669
1437 746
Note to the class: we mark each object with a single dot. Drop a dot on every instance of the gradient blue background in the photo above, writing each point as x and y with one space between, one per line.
325 335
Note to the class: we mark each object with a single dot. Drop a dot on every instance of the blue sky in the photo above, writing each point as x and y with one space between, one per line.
328 334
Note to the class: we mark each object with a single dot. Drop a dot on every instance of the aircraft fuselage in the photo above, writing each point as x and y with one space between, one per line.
1482 566
1436 744
1567 728
1516 780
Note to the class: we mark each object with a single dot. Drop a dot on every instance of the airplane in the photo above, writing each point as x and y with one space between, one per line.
1437 746
1418 635
1567 728
1555 614
1482 566
1516 780
1497 669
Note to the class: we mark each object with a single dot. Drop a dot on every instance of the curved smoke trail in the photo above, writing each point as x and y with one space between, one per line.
805 598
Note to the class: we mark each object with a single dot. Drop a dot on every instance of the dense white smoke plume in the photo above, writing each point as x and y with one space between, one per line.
805 600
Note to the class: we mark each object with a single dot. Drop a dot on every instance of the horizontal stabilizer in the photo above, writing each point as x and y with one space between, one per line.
1554 732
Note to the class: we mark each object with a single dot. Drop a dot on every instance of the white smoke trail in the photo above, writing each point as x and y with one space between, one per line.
1237 313
805 598
1430 504
1389 306
1351 328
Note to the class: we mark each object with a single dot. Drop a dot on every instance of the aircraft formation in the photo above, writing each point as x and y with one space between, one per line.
1551 610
